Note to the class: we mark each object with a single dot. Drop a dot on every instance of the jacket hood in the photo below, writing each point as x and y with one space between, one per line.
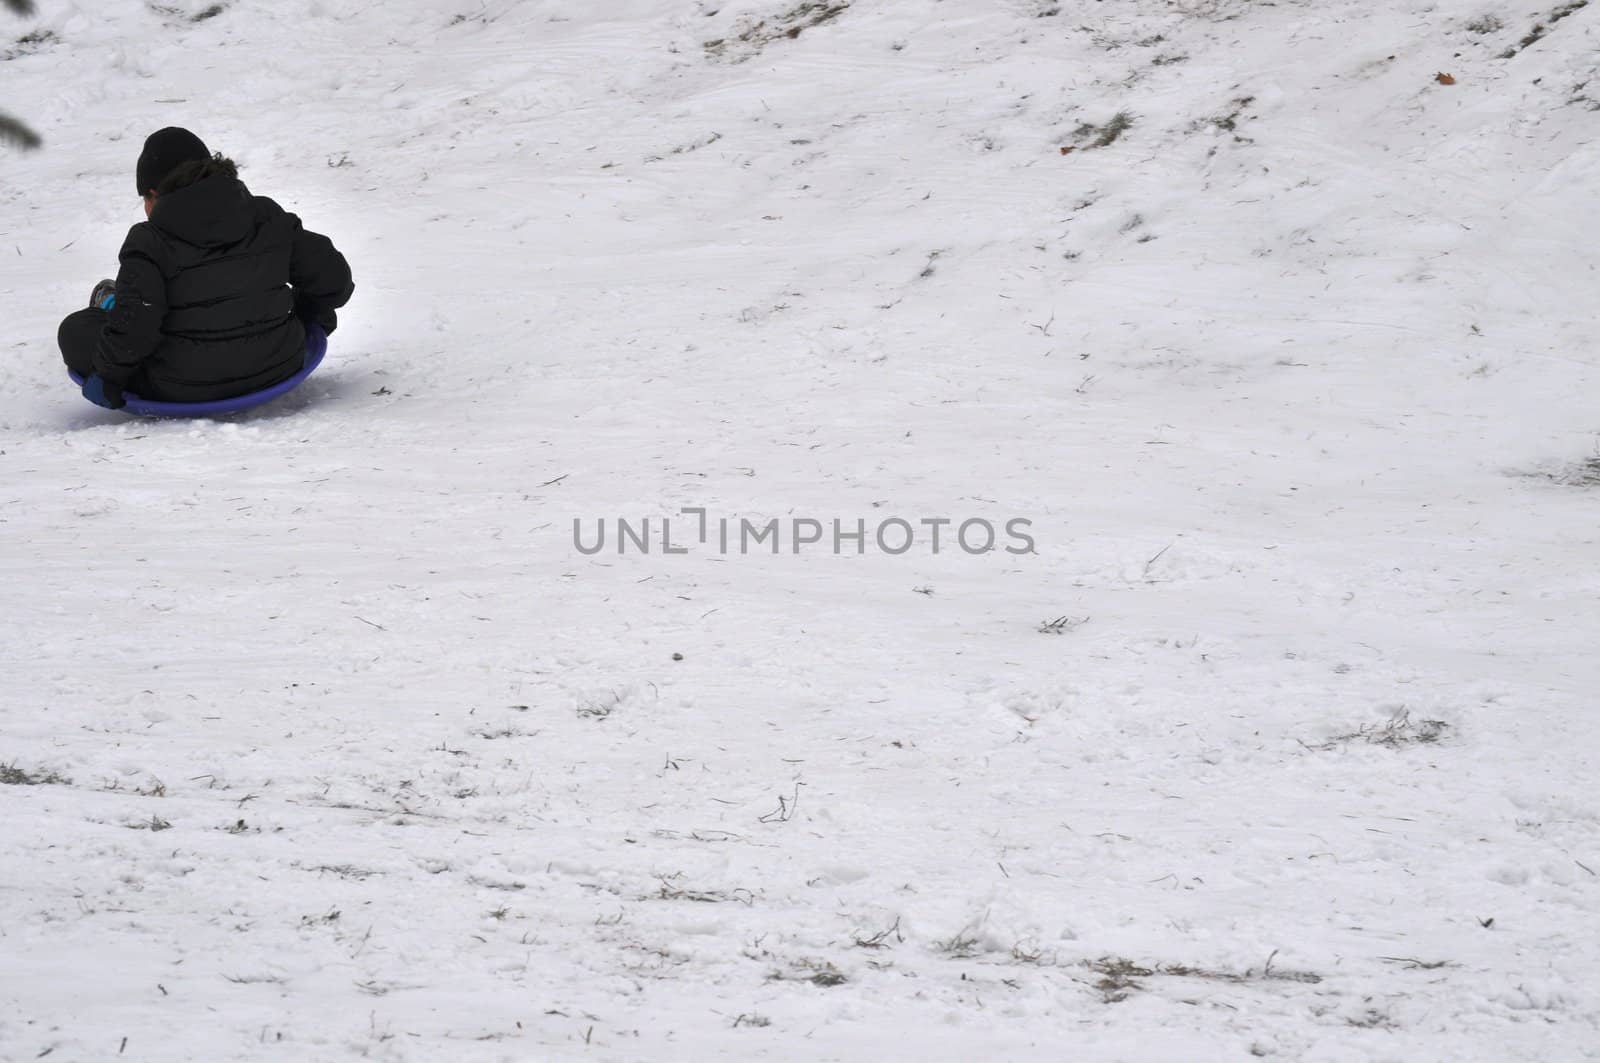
212 212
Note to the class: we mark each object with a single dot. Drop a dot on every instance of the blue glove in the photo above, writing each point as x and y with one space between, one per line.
100 393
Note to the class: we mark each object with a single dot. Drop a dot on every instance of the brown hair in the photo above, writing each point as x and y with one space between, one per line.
185 174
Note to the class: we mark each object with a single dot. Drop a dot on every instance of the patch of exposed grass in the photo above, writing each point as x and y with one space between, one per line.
1209 10
817 972
1228 121
1106 133
29 43
599 709
11 775
962 944
199 16
1414 964
1584 473
1537 34
345 871
1120 976
1399 731
881 939
752 35
1587 474
670 891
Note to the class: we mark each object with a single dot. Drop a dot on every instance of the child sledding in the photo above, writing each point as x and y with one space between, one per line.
221 294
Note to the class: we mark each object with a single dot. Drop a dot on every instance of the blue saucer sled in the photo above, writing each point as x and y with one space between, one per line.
316 347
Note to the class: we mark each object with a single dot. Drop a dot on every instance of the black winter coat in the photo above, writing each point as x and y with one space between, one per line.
214 294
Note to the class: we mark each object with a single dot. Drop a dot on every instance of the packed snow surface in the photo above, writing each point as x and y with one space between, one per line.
321 738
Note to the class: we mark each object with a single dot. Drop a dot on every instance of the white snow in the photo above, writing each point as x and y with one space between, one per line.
1299 412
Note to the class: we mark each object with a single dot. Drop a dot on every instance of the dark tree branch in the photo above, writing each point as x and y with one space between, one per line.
14 132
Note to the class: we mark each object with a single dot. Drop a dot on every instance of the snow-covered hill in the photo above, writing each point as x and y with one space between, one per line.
324 739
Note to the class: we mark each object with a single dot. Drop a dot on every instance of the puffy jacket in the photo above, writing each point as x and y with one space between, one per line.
213 295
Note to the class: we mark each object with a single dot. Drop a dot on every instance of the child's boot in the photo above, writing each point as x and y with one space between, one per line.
105 295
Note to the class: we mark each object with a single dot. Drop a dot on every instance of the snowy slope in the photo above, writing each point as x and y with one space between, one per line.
324 741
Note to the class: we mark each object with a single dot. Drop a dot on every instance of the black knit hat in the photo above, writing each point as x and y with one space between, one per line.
164 151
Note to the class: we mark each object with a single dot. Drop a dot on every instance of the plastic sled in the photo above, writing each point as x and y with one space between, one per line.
316 347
